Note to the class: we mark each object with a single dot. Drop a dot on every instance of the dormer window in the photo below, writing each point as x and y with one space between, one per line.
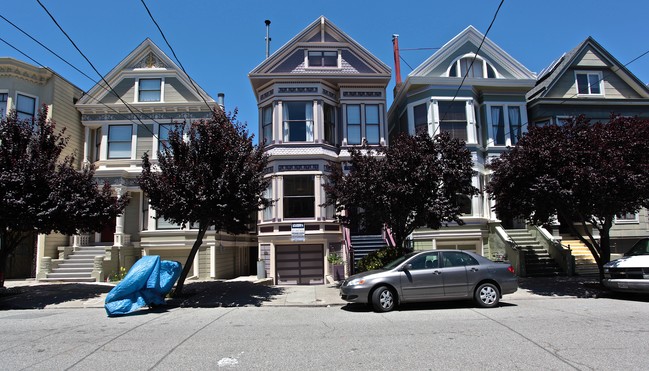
322 58
149 90
477 70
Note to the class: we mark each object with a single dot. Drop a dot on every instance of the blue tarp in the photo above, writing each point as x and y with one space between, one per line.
147 283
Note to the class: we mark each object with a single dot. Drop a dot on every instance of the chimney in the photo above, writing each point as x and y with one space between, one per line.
397 64
267 37
220 99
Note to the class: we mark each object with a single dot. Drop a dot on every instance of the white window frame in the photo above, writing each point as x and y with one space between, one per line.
599 79
491 141
471 132
309 123
136 98
478 59
338 58
106 130
35 97
635 220
269 139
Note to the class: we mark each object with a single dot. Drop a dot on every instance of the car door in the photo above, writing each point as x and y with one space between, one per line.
454 272
422 279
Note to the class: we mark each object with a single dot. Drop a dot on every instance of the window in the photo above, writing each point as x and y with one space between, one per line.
145 212
589 83
458 259
353 124
150 90
3 104
498 125
372 124
323 59
506 124
163 135
25 107
464 203
119 141
267 124
425 261
268 211
162 223
299 196
474 66
298 121
452 118
330 124
420 113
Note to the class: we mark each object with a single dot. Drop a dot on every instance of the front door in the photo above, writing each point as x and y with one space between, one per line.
423 279
108 232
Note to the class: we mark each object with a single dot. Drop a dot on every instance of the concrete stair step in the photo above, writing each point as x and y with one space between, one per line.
85 270
64 279
68 275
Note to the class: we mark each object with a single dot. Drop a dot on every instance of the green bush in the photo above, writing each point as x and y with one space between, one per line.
379 258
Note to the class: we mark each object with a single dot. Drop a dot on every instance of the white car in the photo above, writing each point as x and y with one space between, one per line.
631 272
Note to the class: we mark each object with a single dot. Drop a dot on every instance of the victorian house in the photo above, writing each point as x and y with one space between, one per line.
125 115
318 95
476 94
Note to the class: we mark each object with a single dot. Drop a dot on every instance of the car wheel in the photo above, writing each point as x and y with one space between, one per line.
383 299
487 295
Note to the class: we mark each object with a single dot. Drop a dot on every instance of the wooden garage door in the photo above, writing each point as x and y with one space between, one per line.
299 264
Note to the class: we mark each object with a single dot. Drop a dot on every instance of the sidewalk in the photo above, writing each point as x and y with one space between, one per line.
241 292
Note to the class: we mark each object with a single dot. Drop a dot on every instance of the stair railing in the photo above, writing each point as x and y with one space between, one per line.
499 242
560 253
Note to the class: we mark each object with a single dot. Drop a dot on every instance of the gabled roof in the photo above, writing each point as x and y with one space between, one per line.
146 57
489 51
558 68
321 33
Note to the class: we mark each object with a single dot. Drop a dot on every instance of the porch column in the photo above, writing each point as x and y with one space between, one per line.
120 238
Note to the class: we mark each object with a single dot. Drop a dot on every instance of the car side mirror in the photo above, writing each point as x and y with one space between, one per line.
407 267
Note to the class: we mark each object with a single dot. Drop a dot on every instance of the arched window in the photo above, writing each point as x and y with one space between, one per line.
479 69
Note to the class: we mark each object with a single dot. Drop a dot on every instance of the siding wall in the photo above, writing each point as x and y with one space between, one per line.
66 115
176 92
132 216
125 89
225 262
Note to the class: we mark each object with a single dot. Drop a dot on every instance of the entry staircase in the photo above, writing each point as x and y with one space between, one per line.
538 262
365 244
585 264
78 265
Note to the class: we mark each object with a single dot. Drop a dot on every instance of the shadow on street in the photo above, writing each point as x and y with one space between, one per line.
580 287
210 294
39 296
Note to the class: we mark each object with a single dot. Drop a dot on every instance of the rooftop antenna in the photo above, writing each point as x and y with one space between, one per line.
267 37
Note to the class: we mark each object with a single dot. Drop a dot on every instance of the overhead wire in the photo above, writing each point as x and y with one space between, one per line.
175 56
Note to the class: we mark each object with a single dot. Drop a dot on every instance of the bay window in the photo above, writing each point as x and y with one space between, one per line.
506 125
372 124
329 124
298 121
299 196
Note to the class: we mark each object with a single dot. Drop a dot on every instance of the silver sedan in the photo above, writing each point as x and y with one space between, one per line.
429 276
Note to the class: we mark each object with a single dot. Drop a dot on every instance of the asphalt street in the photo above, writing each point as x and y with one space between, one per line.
531 332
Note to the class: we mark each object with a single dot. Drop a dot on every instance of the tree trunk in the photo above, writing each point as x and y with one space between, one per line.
605 247
190 259
7 246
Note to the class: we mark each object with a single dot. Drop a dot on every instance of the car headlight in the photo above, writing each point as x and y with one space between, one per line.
356 281
606 270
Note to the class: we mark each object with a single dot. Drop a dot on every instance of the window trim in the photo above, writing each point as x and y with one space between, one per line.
5 109
522 116
635 220
309 124
285 197
136 98
469 119
600 80
485 70
264 124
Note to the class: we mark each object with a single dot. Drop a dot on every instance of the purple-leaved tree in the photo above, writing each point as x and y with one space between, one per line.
210 176
581 173
42 192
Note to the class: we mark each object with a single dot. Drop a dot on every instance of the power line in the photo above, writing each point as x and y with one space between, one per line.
472 61
175 56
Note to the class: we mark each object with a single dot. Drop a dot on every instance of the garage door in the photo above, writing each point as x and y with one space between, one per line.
299 264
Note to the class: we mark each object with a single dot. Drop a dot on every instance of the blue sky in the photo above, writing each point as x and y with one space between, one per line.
220 42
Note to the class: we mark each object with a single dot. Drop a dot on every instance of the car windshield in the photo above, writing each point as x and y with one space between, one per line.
398 261
640 248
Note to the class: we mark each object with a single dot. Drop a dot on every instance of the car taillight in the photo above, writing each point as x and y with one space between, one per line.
511 269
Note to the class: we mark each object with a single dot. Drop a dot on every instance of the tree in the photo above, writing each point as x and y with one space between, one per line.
415 182
211 177
41 192
582 173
